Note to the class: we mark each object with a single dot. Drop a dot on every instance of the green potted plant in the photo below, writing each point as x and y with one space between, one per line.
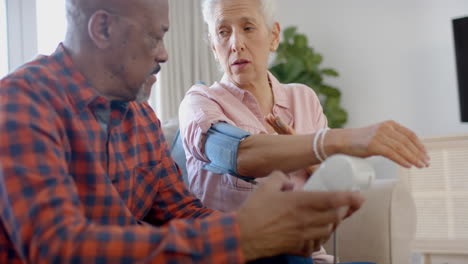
296 62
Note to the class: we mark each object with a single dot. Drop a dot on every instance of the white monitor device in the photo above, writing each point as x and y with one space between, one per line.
342 173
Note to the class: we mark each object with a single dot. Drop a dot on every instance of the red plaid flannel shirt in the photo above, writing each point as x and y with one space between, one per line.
73 192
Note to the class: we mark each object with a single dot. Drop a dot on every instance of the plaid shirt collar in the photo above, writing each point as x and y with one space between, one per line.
84 96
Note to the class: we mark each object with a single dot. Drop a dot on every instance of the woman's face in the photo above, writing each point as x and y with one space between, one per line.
241 41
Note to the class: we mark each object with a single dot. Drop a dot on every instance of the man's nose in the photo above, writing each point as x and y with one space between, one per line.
162 55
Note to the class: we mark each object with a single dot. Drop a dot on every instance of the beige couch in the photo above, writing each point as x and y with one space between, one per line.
382 230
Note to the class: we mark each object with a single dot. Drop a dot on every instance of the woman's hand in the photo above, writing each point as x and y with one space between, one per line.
283 129
278 125
388 139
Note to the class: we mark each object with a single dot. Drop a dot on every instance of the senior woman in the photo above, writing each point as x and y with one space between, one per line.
242 34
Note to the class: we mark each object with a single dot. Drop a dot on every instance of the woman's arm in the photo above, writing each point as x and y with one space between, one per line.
258 155
284 129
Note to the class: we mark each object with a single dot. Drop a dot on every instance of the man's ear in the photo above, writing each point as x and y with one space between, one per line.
100 28
275 37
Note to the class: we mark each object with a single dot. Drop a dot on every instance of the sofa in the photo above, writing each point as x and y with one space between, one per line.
380 232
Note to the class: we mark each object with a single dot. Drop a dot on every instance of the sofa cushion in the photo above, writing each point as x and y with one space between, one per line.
382 230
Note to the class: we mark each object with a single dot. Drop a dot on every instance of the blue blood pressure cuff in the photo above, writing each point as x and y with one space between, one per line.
221 145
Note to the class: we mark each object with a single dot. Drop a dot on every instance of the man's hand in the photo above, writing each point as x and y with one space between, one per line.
276 221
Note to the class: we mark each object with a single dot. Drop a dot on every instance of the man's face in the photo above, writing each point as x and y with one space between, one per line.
138 52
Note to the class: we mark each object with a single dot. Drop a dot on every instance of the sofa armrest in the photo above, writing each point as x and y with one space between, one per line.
382 230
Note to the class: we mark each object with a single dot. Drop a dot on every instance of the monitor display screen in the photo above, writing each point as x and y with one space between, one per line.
460 31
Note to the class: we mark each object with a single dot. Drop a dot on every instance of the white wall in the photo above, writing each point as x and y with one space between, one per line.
396 58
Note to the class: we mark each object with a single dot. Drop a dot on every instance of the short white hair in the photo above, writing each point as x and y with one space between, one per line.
267 9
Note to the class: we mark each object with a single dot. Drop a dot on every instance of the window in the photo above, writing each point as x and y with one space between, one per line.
51 24
3 40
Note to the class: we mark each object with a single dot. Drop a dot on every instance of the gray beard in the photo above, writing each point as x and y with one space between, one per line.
143 94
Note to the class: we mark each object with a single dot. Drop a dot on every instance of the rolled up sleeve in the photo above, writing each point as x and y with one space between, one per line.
197 113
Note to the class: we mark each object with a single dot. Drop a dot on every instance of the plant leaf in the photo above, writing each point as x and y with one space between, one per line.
279 72
300 41
310 63
289 33
330 72
293 68
317 58
330 91
332 102
296 62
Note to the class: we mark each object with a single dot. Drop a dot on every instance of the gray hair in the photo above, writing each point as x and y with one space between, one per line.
267 9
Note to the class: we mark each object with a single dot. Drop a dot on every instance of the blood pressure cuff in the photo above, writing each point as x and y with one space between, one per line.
221 145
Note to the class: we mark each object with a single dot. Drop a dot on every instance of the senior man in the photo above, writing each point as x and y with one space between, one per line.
85 172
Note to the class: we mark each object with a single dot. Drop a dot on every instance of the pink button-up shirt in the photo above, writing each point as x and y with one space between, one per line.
296 104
